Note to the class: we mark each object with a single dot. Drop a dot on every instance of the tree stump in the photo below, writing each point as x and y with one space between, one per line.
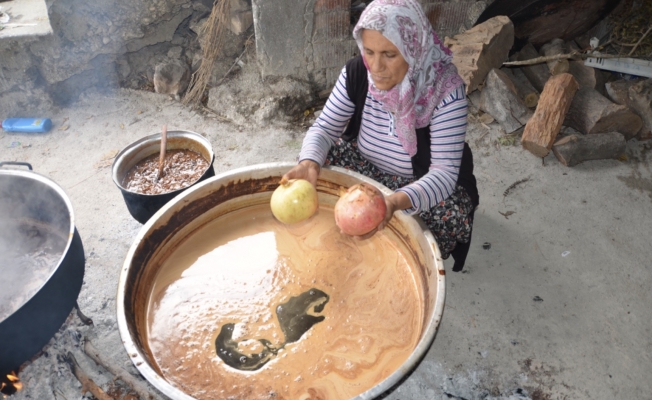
590 112
542 129
574 149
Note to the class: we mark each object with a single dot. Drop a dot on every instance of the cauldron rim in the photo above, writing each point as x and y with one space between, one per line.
140 360
32 175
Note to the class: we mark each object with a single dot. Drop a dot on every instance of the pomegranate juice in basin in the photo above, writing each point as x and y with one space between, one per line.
249 308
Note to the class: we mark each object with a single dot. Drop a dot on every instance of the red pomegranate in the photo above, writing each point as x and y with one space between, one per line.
360 209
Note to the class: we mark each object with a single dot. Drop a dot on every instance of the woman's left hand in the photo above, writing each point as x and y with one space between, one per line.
394 202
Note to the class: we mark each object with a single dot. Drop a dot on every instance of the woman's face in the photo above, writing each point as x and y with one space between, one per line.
385 62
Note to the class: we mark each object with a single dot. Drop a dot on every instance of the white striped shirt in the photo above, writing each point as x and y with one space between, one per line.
378 143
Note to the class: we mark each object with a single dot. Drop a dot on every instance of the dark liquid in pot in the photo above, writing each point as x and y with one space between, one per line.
181 168
304 312
30 252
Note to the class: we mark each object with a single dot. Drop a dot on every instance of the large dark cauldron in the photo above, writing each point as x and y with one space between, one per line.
36 210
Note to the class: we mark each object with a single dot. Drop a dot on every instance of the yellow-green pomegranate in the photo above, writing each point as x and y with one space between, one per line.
294 201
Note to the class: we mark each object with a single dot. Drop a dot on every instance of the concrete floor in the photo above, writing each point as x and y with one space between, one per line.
27 18
557 308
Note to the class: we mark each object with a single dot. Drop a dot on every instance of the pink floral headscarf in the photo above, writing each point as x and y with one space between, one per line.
431 75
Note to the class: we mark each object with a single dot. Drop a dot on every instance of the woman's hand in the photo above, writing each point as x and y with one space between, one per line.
306 169
394 202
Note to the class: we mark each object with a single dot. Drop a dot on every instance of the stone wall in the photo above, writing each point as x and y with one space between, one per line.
311 39
110 44
308 40
100 44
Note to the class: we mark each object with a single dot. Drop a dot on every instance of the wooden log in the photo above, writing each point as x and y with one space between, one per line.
553 48
537 74
542 129
501 101
590 112
638 97
524 88
586 76
83 378
481 48
574 149
617 91
641 103
136 385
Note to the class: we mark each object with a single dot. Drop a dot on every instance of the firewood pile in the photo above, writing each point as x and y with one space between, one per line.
599 92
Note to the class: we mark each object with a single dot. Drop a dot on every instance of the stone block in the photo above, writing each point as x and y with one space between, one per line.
480 49
333 54
280 37
304 40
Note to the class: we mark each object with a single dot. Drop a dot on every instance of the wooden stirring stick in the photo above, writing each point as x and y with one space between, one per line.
164 140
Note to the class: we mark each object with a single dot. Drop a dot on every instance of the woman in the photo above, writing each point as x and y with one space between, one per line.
401 109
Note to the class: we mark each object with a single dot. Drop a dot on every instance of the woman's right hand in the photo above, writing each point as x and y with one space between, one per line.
306 169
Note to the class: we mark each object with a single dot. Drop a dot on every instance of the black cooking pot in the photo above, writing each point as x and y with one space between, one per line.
143 206
29 198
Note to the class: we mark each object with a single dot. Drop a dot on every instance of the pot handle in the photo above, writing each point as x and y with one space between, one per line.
28 165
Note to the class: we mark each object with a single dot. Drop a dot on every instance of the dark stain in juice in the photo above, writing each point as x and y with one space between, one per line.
227 350
295 319
293 315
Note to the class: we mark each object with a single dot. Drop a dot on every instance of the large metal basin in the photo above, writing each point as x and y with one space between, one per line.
236 190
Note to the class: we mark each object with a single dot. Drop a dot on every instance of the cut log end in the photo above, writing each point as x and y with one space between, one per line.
531 100
536 149
574 149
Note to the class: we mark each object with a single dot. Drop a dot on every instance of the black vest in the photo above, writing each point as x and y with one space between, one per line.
357 86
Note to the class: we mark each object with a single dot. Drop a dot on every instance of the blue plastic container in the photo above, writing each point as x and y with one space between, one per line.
31 125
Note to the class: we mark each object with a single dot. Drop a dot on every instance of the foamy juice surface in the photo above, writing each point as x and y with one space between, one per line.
350 313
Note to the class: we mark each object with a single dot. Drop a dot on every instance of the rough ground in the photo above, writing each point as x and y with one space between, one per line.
557 308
